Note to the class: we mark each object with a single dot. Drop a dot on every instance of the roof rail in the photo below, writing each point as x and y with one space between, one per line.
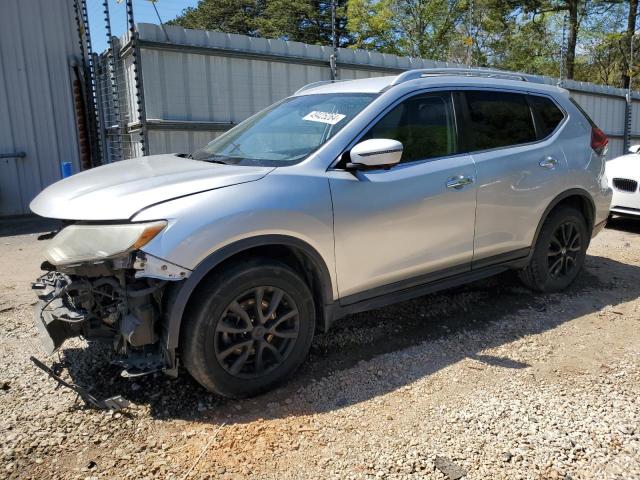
316 84
465 72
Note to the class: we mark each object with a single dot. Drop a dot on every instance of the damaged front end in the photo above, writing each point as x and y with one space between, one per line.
116 299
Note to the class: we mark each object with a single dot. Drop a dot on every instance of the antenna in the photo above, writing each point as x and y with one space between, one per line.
153 2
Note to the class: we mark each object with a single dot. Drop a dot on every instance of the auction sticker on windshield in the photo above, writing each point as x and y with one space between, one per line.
324 117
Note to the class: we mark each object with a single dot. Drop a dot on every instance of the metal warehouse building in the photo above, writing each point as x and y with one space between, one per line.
40 58
155 93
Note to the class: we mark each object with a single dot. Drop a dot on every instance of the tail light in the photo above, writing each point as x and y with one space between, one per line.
599 141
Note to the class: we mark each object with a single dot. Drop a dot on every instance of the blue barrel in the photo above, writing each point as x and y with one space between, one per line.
67 169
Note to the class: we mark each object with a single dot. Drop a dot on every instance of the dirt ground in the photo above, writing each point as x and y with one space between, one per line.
484 381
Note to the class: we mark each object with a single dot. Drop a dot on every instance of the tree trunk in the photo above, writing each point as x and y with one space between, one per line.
631 28
572 7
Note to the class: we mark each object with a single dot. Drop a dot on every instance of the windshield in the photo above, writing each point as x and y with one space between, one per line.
286 132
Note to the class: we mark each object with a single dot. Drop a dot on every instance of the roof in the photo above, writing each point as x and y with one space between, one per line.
363 85
379 84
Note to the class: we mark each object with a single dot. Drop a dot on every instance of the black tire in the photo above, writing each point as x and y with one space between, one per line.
223 314
557 259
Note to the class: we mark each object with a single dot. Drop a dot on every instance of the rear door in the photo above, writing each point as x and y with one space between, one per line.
519 166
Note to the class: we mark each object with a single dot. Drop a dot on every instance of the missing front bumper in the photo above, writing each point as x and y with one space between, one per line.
117 308
52 331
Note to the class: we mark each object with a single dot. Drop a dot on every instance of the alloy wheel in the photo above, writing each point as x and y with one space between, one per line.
256 332
565 245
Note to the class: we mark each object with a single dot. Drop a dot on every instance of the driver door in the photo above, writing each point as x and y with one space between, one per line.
412 223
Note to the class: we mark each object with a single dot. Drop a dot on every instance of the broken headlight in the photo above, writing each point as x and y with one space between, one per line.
79 243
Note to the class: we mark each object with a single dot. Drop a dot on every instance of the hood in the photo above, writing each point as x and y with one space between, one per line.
626 166
119 190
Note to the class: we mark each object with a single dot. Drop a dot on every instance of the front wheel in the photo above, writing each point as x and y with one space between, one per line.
559 252
248 328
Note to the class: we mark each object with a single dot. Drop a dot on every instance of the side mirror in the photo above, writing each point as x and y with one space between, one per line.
375 153
634 148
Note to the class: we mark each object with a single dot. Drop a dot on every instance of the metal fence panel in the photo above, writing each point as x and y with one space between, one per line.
181 141
207 81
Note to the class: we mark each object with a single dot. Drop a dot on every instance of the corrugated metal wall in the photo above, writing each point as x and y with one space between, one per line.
203 82
38 43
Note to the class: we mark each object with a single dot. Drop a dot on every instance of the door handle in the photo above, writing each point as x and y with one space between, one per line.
459 181
548 162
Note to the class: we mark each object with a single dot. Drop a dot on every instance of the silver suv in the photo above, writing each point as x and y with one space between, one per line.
344 197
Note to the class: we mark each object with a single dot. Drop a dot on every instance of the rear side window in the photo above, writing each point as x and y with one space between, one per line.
425 125
548 114
498 119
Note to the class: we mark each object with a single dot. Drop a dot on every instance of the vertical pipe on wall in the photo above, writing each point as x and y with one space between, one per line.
114 131
333 60
88 81
94 119
563 50
626 142
137 76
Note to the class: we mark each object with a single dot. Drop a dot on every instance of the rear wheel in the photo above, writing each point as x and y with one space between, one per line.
249 328
559 252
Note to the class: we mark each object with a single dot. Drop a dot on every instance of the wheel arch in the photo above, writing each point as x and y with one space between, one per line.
308 262
575 197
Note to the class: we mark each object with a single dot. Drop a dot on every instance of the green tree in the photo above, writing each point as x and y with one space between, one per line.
602 44
229 16
307 21
505 36
625 66
418 28
520 35
369 23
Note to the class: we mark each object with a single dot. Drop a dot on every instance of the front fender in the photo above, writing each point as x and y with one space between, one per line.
297 206
180 293
207 228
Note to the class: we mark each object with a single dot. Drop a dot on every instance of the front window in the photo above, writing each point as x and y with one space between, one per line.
424 124
286 132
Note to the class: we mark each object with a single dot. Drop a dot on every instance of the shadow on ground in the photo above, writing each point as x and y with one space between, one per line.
625 224
474 309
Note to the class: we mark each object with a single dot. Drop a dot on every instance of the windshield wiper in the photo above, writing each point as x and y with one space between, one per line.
222 159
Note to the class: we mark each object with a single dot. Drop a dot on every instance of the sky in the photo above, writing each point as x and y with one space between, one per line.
143 12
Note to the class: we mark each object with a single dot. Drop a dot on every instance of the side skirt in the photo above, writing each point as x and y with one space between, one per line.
480 269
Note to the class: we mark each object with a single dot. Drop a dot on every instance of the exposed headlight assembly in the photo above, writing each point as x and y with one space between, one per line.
80 243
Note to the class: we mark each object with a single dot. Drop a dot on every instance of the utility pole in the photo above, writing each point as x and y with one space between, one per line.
137 79
469 40
333 60
563 48
629 104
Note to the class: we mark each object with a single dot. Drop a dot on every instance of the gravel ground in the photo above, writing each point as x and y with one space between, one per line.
484 381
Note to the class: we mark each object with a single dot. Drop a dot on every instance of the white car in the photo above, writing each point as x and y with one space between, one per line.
624 176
